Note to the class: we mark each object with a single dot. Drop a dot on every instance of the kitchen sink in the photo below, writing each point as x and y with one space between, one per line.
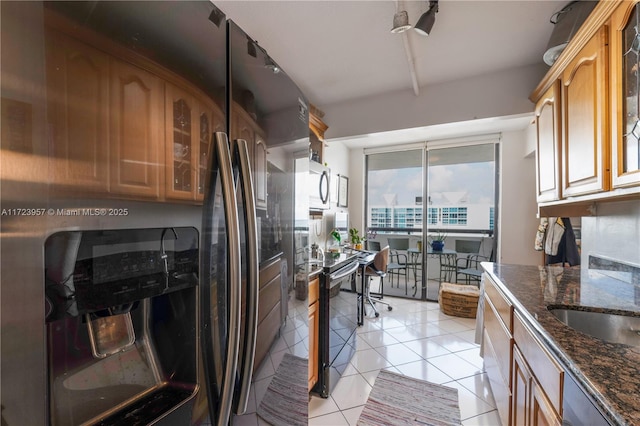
609 327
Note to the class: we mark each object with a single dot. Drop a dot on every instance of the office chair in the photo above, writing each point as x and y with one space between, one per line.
377 269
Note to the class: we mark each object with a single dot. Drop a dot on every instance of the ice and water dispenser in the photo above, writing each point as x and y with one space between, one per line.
121 313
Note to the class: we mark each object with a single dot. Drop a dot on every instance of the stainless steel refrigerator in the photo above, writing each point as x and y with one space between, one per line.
146 173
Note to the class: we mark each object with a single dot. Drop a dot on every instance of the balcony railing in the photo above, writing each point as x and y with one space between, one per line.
413 231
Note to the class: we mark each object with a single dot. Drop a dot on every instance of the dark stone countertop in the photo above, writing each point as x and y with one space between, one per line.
608 372
334 261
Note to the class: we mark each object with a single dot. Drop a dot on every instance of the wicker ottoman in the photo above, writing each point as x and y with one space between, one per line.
459 300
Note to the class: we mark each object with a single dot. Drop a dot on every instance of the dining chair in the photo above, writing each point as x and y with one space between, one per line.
472 274
378 268
398 264
448 267
466 249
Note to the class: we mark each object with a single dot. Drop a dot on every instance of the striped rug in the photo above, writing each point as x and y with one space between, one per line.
400 400
286 402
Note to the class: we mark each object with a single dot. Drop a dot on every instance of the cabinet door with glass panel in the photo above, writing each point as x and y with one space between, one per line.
625 81
190 122
211 120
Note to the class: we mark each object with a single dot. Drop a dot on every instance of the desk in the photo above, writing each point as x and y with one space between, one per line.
414 261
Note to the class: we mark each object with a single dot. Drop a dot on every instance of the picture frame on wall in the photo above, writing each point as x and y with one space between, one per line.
343 191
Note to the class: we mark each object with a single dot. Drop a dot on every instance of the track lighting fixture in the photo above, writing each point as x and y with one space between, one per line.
426 21
400 22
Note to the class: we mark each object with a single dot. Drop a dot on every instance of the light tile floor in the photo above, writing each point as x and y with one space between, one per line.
414 339
417 340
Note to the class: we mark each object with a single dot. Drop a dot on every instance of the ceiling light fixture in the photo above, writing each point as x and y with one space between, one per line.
426 21
400 22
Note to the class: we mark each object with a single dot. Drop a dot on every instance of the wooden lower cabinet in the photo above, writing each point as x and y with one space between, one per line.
542 412
497 356
531 406
537 380
314 328
525 379
521 390
269 314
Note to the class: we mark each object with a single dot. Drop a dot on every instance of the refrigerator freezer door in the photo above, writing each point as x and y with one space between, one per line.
241 158
220 274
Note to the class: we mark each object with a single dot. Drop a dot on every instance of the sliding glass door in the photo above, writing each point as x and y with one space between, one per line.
460 194
417 194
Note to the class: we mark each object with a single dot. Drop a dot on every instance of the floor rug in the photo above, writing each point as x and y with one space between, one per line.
286 402
400 400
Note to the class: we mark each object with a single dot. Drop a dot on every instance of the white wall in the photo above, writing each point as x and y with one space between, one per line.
518 207
336 157
498 94
357 181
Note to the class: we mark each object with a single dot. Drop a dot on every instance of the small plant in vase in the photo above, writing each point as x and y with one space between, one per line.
355 238
334 248
437 241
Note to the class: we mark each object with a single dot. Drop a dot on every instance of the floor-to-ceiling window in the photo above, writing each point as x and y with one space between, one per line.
394 192
438 188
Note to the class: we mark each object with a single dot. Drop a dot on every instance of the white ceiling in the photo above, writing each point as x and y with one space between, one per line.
338 51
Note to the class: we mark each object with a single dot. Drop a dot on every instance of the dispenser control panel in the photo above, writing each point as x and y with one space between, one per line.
99 270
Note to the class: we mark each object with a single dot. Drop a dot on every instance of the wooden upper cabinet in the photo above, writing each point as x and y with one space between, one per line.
211 120
78 101
182 142
190 122
137 156
244 127
548 145
317 128
585 151
625 96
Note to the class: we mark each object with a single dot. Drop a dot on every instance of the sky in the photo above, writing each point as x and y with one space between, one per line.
477 179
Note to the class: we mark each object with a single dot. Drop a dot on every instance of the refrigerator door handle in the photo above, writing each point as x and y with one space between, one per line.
234 273
241 154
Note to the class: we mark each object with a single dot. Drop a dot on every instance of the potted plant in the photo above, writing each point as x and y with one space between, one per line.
355 238
437 241
334 248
